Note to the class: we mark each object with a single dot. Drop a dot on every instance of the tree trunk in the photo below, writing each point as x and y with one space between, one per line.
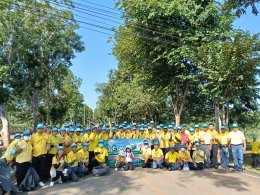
35 108
177 120
48 99
5 127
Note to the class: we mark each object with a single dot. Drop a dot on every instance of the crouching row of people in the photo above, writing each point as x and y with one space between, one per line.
173 160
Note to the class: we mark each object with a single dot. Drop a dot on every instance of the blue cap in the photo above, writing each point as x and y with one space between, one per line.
172 123
151 122
124 128
184 125
78 130
191 129
120 127
66 125
85 144
197 144
158 127
176 128
17 135
113 128
145 126
62 129
172 147
223 127
128 127
26 132
54 129
73 145
125 122
254 137
205 125
134 129
165 127
161 125
40 126
88 129
196 126
146 142
101 141
60 148
94 127
182 146
141 129
113 122
170 127
234 125
117 125
156 143
100 124
107 125
71 130
104 129
150 128
78 125
70 124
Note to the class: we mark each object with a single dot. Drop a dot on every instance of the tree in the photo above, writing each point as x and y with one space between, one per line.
240 6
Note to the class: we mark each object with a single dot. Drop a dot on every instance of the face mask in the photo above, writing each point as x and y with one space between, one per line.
26 138
157 131
183 149
17 139
101 145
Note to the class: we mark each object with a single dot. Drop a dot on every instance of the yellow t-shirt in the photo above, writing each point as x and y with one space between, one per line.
214 135
78 139
93 141
120 159
68 141
71 157
39 143
223 138
255 147
56 161
26 154
120 135
55 141
157 154
164 140
206 137
85 138
141 136
128 135
105 136
7 155
172 157
196 157
101 157
83 155
178 136
146 152
185 156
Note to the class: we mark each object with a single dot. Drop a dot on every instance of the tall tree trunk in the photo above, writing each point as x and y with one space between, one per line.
48 98
35 107
5 127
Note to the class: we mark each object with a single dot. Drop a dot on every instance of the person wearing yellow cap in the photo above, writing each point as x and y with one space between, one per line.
59 172
172 159
101 155
73 162
255 152
157 156
41 144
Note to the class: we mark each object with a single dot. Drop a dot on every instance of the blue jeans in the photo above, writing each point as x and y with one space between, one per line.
224 156
237 152
76 173
4 168
174 166
157 164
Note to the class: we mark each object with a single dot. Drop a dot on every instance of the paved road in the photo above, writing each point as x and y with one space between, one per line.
149 182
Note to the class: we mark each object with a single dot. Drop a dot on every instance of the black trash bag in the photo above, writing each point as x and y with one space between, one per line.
30 181
7 185
100 170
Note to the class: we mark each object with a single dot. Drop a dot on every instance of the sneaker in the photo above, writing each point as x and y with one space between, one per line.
51 184
116 169
19 191
42 184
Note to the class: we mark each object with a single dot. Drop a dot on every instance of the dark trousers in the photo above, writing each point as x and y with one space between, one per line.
197 166
39 164
21 170
128 166
214 155
191 153
91 156
120 164
95 162
255 160
48 164
58 175
147 164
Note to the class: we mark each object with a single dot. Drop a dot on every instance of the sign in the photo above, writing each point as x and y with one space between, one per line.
115 145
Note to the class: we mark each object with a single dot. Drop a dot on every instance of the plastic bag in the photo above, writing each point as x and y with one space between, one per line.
186 167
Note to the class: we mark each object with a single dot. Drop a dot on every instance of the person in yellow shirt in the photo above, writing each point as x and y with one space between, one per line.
172 159
62 135
128 133
77 138
206 140
83 154
134 134
112 134
176 137
93 143
192 140
120 134
41 144
163 140
86 135
184 157
157 156
198 158
141 134
104 134
224 151
255 152
215 146
59 172
151 136
73 162
68 140
146 155
101 155
120 160
23 157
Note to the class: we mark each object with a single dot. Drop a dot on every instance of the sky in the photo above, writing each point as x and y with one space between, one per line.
93 64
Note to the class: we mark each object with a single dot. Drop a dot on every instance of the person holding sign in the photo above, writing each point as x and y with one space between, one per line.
157 156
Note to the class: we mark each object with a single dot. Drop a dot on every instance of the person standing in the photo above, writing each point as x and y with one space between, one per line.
41 144
215 146
224 151
255 152
206 140
237 142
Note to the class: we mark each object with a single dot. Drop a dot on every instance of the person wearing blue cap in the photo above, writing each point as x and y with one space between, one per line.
141 134
255 152
224 151
112 134
172 159
104 134
41 144
77 138
128 132
59 172
120 134
101 155
237 142
134 134
86 134
146 155
176 137
206 141
73 162
215 145
62 134
84 158
185 158
163 139
198 158
93 143
68 140
151 135
157 156
184 128
192 140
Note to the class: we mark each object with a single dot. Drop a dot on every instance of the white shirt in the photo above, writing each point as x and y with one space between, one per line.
128 157
236 137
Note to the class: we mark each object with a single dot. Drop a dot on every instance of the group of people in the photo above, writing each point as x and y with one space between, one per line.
70 153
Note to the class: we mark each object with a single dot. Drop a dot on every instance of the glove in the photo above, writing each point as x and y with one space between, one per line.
12 152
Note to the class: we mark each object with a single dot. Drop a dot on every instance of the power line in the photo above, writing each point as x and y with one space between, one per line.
103 6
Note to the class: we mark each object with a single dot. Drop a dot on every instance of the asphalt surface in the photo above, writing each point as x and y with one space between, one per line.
150 181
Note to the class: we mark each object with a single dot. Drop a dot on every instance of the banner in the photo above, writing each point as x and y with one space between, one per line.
115 145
